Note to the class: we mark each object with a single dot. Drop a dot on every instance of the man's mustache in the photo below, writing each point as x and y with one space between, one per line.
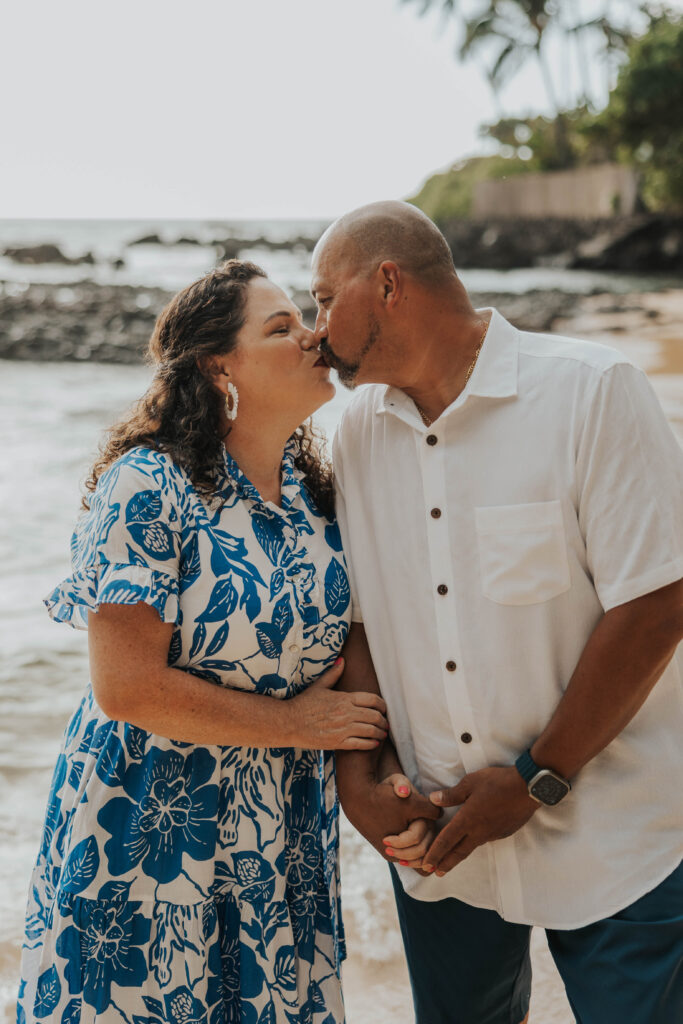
327 353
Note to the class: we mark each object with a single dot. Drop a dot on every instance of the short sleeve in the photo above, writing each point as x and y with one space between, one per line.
340 506
630 489
126 547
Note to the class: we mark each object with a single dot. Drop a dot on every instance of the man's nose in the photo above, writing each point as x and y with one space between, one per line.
320 326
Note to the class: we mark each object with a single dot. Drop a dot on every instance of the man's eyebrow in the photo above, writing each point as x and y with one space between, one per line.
283 312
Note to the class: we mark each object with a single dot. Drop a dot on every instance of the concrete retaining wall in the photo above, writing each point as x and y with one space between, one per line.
600 191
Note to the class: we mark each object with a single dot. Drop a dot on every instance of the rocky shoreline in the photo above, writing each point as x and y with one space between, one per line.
113 323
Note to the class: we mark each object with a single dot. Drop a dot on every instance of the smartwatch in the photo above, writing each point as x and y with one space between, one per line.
545 786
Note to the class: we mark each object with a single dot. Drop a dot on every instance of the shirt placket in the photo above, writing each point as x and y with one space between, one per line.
432 454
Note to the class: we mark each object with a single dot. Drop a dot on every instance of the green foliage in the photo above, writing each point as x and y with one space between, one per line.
451 193
642 123
534 139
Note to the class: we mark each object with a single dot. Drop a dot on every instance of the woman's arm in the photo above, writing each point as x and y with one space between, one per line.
133 682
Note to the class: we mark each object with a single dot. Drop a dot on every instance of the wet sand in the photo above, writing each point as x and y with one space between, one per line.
648 329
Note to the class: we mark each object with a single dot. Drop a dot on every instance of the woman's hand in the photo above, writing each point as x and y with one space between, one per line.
321 718
409 847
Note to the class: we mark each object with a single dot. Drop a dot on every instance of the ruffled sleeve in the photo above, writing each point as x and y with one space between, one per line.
126 548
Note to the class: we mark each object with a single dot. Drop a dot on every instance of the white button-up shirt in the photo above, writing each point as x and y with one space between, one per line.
483 551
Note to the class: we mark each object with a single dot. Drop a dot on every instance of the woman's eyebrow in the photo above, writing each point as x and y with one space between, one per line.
283 312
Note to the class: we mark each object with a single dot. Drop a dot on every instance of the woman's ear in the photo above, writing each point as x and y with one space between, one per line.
215 369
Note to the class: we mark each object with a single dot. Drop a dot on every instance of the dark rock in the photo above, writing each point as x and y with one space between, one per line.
187 241
532 311
84 321
45 253
647 242
147 240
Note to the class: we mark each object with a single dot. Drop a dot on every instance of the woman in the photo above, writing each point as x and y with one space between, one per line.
188 866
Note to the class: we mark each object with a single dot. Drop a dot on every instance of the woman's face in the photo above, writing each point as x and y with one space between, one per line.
276 365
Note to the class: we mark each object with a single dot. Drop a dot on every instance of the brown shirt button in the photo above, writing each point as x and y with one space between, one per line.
451 666
466 737
432 439
442 589
436 513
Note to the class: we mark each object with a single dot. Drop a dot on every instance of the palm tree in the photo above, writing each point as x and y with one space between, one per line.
518 30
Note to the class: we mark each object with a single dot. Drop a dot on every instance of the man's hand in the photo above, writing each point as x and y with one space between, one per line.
494 803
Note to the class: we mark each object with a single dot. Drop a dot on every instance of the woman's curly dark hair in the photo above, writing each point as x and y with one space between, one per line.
180 413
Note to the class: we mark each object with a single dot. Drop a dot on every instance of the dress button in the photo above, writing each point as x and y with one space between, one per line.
294 648
466 737
442 589
431 439
451 666
436 513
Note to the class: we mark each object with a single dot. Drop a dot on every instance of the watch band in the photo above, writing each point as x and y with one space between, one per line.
526 766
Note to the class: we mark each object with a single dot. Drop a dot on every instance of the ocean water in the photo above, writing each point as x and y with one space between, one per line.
173 266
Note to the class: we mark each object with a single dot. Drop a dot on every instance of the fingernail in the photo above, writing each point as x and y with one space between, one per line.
390 852
427 867
405 863
385 841
440 874
403 790
436 798
339 659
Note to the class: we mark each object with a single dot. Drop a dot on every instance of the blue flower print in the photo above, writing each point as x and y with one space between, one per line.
183 1008
103 948
330 634
171 812
241 973
255 878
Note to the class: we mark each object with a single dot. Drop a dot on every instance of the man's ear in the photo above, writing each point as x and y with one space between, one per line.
390 282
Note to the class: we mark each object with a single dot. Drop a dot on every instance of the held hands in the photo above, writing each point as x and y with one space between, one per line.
494 803
410 846
321 718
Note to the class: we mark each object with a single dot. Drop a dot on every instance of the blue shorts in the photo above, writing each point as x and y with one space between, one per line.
468 966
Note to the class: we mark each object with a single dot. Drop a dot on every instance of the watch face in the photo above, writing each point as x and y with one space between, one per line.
548 788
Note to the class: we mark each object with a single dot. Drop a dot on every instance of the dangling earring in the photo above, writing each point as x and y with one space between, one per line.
231 401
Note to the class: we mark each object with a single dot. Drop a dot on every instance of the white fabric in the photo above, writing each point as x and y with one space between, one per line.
560 488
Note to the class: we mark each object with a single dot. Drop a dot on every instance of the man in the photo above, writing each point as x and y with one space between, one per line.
511 509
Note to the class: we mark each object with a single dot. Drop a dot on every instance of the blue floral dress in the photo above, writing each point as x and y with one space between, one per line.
184 883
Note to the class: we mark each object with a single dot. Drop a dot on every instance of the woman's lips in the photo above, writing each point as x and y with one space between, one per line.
320 361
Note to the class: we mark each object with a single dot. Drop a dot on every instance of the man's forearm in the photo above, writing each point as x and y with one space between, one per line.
623 659
357 769
374 809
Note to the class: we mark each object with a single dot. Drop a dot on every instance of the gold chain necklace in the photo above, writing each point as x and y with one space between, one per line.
425 418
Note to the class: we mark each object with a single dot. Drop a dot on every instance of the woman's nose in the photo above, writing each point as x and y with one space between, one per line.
308 339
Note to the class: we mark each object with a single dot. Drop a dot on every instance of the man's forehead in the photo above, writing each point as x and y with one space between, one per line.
330 266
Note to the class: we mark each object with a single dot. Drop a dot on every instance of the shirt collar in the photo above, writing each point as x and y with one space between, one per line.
494 374
245 489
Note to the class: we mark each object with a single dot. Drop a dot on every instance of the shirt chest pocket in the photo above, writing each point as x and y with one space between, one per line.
522 552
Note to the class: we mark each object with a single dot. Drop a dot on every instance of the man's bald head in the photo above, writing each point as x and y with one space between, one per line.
392 231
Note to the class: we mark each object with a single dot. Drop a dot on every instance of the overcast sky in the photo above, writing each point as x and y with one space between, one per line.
231 108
